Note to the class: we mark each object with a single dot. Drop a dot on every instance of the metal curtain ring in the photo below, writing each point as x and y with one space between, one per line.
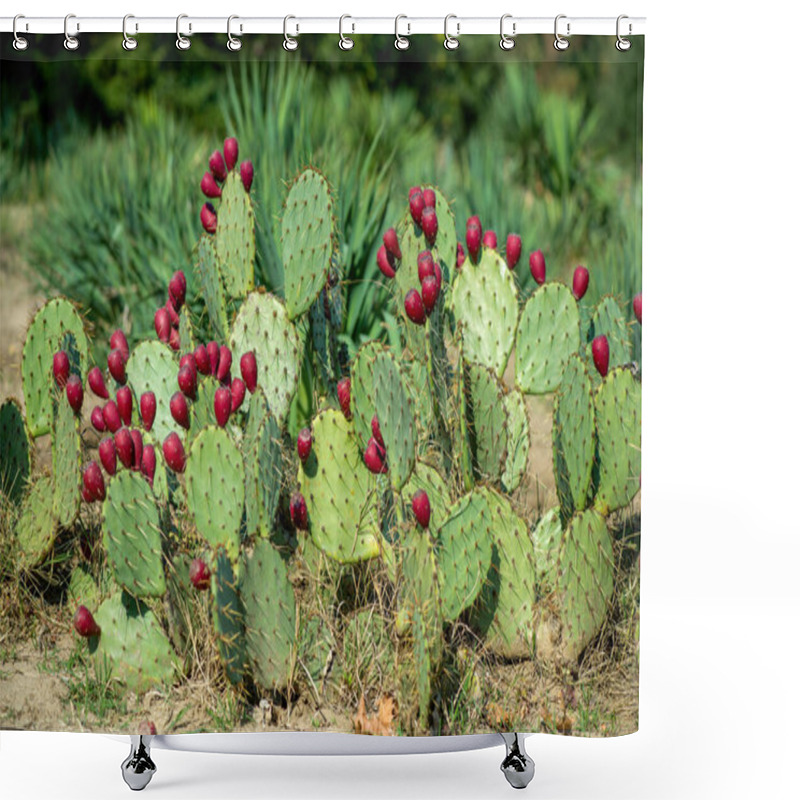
345 42
560 42
70 42
507 42
288 42
401 42
234 44
451 42
128 42
182 42
20 42
623 44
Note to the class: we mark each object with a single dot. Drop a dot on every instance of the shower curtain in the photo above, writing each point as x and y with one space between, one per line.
323 379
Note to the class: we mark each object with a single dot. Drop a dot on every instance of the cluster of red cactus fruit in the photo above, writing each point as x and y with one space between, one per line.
167 320
219 166
419 305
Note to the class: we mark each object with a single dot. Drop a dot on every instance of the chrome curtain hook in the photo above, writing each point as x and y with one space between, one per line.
288 42
234 44
182 42
345 42
507 42
560 42
70 42
451 42
20 42
623 44
401 42
128 42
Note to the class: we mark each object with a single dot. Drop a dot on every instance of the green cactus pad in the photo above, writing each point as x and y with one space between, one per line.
235 238
37 525
416 376
270 616
228 618
153 367
419 588
202 409
585 580
362 389
66 450
548 334
132 647
488 423
45 337
430 480
465 552
609 321
339 492
307 234
484 303
215 489
519 441
618 411
210 281
547 538
83 589
504 610
15 454
132 535
186 332
320 341
262 325
573 438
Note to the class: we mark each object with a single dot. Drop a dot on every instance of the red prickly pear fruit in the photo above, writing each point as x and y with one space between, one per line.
75 393
225 361
600 354
414 190
429 198
304 442
238 390
231 150
430 293
392 244
490 240
162 324
125 404
93 481
513 249
111 416
147 409
416 205
174 317
123 441
246 171
536 262
200 575
460 255
61 368
201 360
424 265
222 405
212 348
474 233
414 307
208 218
421 506
437 273
430 225
147 728
249 369
343 393
174 339
208 186
376 431
84 623
96 383
384 262
179 409
375 457
119 342
637 307
149 462
217 166
138 448
298 511
116 365
187 381
177 290
580 282
98 423
188 360
173 451
87 497
107 451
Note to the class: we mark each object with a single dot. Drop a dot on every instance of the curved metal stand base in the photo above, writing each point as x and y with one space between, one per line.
138 768
517 766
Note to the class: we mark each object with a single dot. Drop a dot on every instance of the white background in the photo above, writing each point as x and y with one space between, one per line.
720 708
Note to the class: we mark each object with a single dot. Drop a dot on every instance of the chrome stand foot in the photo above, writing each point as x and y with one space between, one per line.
138 768
517 766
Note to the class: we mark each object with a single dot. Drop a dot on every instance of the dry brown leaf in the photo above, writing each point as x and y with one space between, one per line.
381 723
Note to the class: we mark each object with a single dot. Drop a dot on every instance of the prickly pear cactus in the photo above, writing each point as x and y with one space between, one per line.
609 321
430 480
235 238
307 234
152 367
207 270
66 449
362 390
488 423
546 538
519 440
186 331
228 618
132 535
37 526
15 454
